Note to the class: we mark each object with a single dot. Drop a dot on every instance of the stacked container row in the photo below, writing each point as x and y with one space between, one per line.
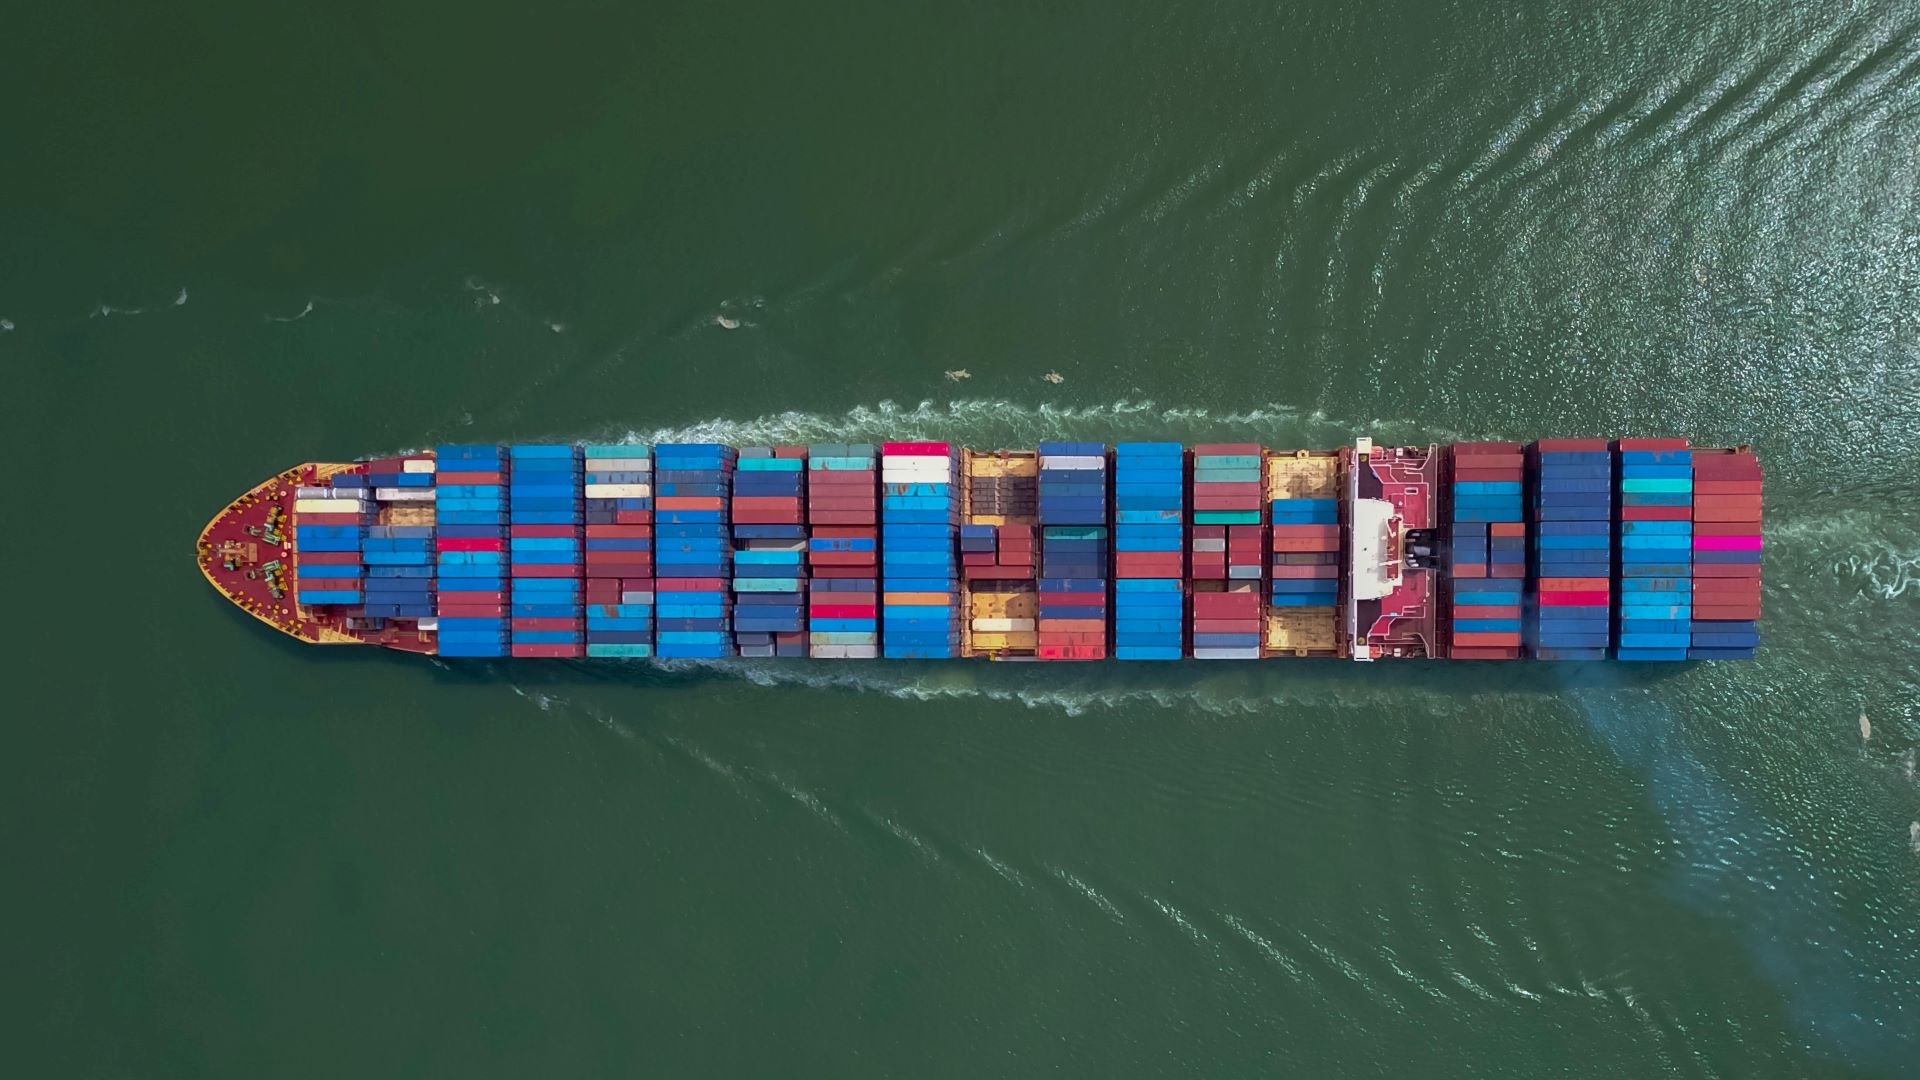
1228 551
471 549
1149 511
619 569
919 567
399 547
1000 504
329 528
693 553
1726 555
1073 551
770 551
1573 546
843 551
545 523
1489 550
1656 549
1303 494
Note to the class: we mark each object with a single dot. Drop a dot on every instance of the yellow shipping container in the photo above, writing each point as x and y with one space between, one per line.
936 599
983 641
998 605
993 466
1301 628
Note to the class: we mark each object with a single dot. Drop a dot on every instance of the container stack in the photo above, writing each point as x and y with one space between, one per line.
545 522
1573 512
399 547
619 551
999 506
1149 510
770 551
920 573
471 546
1228 551
1489 550
1303 493
1656 549
1726 555
692 484
1073 552
329 527
843 552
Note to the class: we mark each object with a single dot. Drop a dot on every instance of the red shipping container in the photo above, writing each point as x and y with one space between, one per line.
1311 573
619 568
1482 462
386 465
546 532
1571 446
1203 501
548 652
469 543
765 502
1079 630
471 611
526 570
1509 570
1721 570
1483 447
841 517
1284 543
690 584
1742 612
1726 487
1073 599
489 597
328 558
1716 513
689 502
1470 653
848 572
450 478
915 449
767 517
1588 598
643 584
1227 605
1503 612
1726 528
1571 584
1727 501
1509 528
1325 532
1655 513
1469 570
546 624
633 517
1226 626
1068 652
843 611
841 558
1653 444
1474 639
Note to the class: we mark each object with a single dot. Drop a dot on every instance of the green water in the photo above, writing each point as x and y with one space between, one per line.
239 236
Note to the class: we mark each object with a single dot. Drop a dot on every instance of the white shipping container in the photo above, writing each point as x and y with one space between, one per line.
936 461
329 493
404 494
619 491
1073 462
915 476
325 506
418 465
431 622
1227 654
1001 626
1210 545
1240 573
636 598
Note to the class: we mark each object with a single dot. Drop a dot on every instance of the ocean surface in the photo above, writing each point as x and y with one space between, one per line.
240 236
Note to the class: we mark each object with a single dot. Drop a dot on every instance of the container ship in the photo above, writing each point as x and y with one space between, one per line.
1560 549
